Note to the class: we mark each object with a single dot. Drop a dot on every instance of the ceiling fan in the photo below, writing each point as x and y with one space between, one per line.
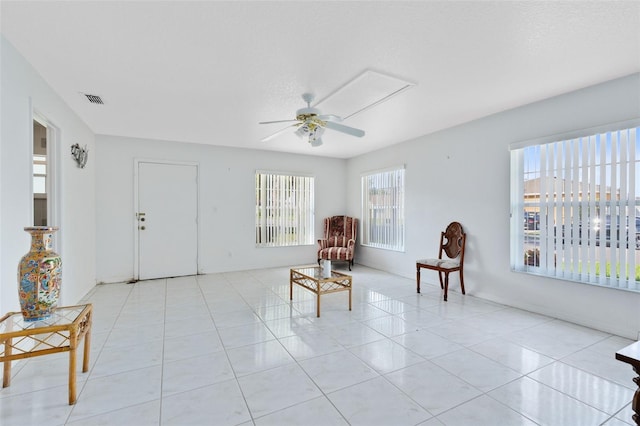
311 124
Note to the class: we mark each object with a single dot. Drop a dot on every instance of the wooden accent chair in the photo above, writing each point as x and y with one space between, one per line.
452 242
339 240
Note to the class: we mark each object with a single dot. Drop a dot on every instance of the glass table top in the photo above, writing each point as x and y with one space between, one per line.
316 273
62 315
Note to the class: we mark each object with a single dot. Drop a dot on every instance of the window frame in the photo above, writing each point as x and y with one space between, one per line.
391 237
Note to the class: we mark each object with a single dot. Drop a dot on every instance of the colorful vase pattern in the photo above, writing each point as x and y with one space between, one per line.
39 275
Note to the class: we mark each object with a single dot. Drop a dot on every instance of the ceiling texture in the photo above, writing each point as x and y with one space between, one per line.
207 72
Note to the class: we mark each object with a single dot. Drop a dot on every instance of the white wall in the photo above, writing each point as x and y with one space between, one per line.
226 203
463 174
24 91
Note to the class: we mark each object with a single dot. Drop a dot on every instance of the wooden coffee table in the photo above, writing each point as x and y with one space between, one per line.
62 332
311 278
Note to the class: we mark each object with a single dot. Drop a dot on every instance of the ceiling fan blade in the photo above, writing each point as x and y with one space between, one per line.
278 133
344 129
330 117
277 121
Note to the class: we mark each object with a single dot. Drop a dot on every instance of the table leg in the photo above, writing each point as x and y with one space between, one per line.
73 342
6 373
349 298
635 405
87 349
318 306
290 285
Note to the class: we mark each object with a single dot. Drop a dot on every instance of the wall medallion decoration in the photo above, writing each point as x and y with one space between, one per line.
80 154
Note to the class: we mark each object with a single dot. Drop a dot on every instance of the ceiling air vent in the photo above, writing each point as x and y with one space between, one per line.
94 99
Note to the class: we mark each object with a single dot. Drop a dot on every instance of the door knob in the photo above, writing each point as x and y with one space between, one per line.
142 228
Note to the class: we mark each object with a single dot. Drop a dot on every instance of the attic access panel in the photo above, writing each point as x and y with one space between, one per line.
363 92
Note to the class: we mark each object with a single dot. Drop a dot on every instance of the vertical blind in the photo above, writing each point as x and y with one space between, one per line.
383 209
284 210
579 199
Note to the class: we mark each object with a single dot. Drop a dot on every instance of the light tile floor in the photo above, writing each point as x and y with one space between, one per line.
231 349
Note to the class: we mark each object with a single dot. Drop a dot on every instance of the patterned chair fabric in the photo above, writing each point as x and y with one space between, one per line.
339 240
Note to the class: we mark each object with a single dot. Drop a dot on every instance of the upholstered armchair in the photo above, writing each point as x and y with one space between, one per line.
339 240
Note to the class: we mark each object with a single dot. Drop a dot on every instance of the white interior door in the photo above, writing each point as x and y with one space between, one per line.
167 220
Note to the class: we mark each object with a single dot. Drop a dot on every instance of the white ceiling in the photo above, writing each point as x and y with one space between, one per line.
208 71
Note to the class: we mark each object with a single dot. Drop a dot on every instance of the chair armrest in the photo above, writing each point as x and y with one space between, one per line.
351 244
323 244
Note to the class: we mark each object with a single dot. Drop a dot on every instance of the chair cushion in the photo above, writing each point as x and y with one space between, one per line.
440 263
335 253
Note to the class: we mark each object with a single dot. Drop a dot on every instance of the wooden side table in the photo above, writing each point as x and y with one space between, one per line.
631 355
61 332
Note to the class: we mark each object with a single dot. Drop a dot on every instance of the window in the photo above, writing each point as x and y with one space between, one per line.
576 209
39 174
39 190
284 210
383 209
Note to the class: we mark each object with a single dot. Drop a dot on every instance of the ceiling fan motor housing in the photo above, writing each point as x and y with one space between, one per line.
304 114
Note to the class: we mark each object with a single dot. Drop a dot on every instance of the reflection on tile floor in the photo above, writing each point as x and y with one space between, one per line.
231 349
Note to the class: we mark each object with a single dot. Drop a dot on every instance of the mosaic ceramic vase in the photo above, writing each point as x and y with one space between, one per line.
39 275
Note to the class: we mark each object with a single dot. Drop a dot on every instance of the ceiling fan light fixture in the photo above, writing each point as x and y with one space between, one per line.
315 136
315 142
302 130
315 132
